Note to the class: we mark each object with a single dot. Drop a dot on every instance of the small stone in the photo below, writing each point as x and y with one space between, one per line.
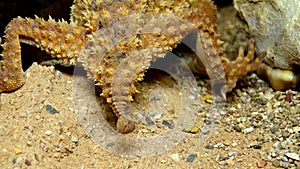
261 163
289 96
36 157
233 153
48 132
149 121
50 109
191 158
273 155
28 162
248 130
218 145
144 131
209 146
191 129
268 96
194 129
284 159
205 130
293 156
207 98
276 163
175 157
157 116
168 123
18 149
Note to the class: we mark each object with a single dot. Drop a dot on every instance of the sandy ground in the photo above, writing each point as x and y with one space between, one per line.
31 135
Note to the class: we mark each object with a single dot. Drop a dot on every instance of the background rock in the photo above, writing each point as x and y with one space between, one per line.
275 25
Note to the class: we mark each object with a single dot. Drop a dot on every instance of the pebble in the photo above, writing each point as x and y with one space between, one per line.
293 156
207 98
276 163
18 149
36 157
273 155
284 159
261 163
168 123
209 146
48 132
28 162
232 153
248 130
191 158
218 145
149 121
205 130
195 129
175 157
51 110
191 129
